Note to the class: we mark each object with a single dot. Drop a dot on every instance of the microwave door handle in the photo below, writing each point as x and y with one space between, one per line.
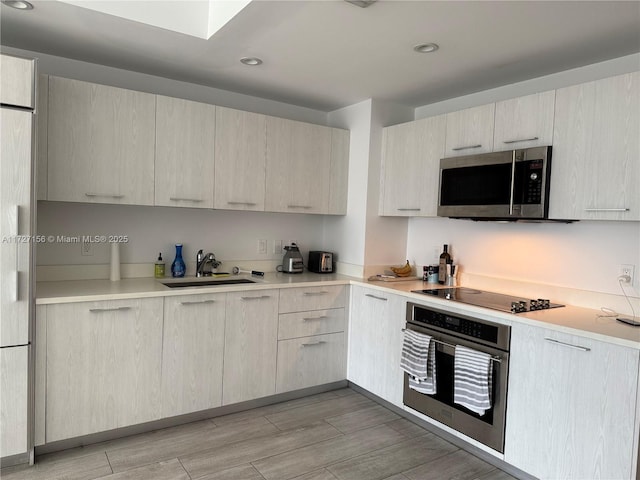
513 176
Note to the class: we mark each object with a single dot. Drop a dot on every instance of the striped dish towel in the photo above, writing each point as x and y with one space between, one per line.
419 361
472 374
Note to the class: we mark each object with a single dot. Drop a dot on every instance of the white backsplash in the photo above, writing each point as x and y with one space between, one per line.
232 236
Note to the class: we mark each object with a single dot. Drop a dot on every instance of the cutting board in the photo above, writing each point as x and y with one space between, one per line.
375 278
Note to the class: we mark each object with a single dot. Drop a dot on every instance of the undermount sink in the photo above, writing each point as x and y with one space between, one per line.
207 283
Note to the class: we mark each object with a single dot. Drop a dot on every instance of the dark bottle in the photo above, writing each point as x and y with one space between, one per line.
445 259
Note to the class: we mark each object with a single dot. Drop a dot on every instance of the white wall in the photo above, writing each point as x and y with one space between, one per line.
583 255
230 235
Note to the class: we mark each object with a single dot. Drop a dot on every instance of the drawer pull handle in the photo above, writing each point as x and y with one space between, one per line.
249 204
180 199
606 209
307 319
457 149
198 303
521 140
115 309
313 344
313 294
376 297
408 209
304 207
106 195
256 298
568 345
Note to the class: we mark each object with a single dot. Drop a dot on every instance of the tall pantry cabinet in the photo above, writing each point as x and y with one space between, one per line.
16 226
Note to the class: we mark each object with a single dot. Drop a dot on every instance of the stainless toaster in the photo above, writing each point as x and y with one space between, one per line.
320 262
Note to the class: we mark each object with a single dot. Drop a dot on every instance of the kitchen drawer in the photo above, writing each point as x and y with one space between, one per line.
308 361
304 324
311 298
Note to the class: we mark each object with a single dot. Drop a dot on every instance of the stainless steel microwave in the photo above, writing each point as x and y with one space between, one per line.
510 185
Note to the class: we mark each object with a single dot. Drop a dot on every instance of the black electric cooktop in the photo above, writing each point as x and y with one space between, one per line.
495 301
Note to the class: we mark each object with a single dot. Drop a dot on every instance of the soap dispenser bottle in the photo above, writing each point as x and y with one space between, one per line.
159 267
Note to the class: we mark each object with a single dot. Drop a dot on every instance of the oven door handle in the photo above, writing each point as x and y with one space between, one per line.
453 347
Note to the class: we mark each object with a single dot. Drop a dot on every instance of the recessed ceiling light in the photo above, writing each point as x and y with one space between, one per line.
426 47
252 61
361 3
18 4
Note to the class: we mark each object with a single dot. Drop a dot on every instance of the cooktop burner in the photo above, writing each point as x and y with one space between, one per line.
495 301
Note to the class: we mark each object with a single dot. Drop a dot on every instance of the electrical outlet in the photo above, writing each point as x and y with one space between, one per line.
277 247
626 270
262 246
86 247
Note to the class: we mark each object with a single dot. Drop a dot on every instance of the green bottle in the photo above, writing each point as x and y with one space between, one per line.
159 270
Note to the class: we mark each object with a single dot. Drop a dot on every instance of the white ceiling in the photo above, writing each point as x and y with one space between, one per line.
329 54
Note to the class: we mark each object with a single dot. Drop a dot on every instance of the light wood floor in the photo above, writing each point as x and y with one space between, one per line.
334 435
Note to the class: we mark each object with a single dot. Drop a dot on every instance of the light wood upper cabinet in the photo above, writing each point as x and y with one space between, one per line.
17 81
192 353
524 122
571 406
240 146
410 167
184 154
298 166
339 175
100 143
251 344
470 131
104 364
596 152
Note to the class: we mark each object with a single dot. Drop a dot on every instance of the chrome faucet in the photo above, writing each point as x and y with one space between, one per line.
202 261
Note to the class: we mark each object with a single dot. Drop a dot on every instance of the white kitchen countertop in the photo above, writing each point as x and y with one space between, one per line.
569 319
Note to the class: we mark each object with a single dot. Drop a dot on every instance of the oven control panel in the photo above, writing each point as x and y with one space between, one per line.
455 324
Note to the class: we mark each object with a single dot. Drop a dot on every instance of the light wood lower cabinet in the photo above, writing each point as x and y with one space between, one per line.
571 406
375 342
13 400
103 366
192 353
304 299
251 342
309 361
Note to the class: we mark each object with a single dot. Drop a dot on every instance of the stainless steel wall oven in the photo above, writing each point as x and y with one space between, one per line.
447 331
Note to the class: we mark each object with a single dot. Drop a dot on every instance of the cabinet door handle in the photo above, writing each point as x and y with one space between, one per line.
313 344
521 140
313 294
115 309
180 199
308 319
105 195
606 209
304 207
249 204
568 345
256 298
198 303
408 209
376 297
457 149
16 234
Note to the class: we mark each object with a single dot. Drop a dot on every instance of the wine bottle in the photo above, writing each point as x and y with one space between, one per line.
445 259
